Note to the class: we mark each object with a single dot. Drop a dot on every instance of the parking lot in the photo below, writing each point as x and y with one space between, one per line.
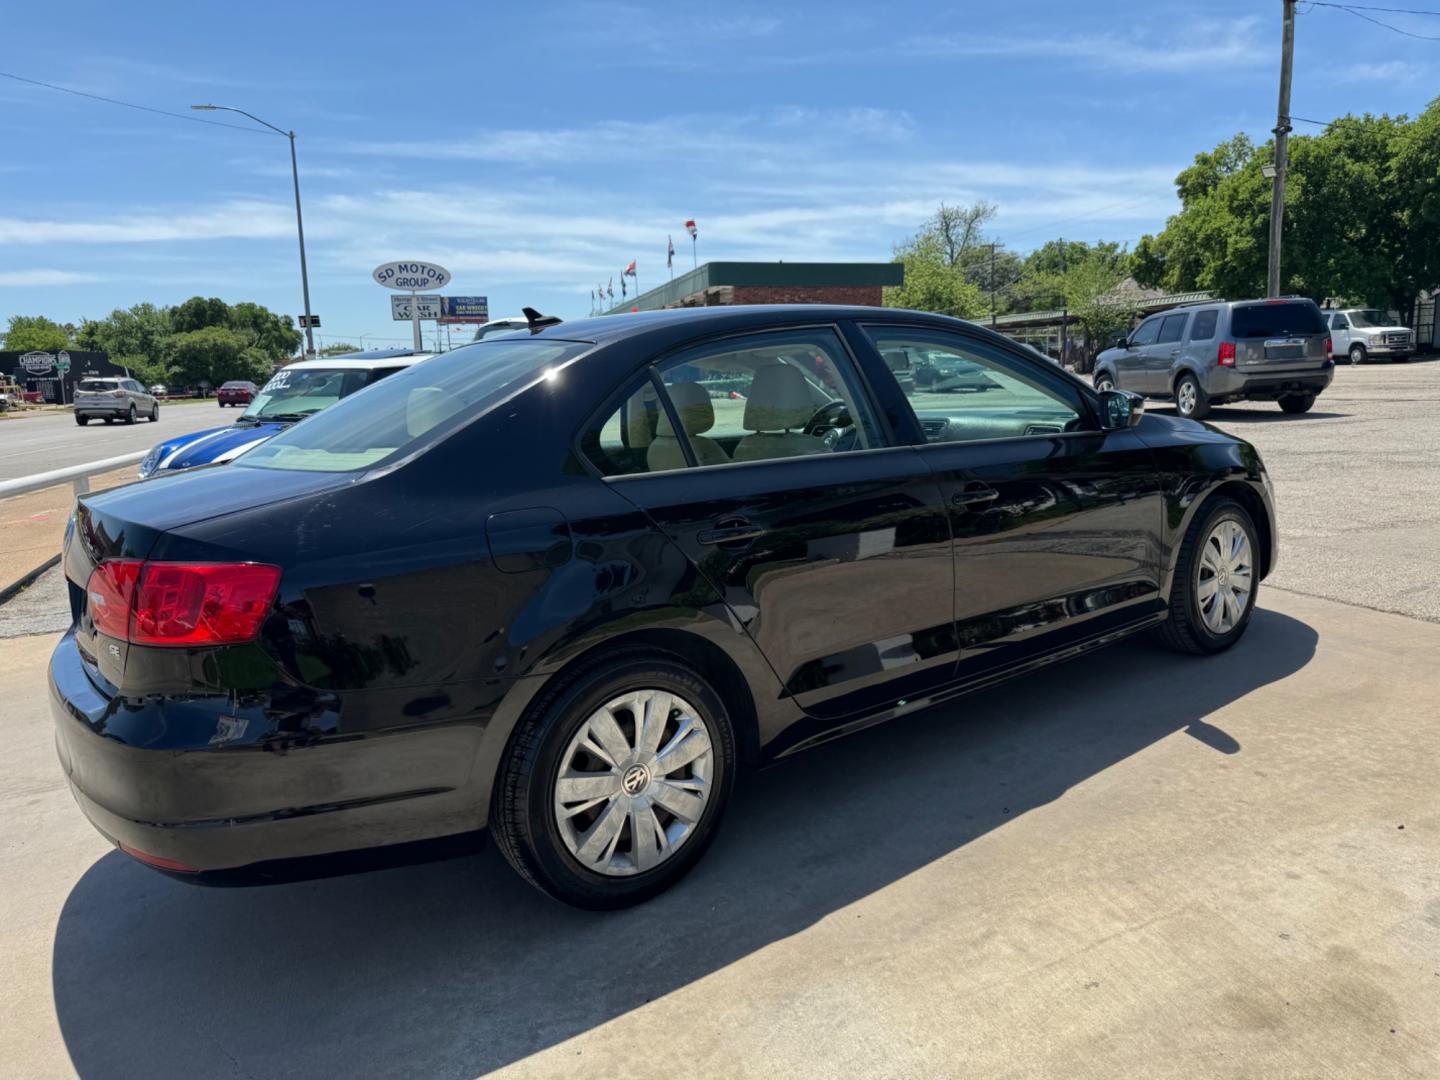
1140 864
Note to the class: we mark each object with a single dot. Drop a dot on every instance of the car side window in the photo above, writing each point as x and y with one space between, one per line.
1145 334
965 390
1172 328
1203 328
758 397
1339 322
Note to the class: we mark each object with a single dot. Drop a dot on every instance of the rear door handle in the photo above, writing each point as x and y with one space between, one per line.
731 532
973 493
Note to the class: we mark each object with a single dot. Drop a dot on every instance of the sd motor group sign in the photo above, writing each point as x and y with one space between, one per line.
411 276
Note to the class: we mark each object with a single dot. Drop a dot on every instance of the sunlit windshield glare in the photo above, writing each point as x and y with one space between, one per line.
304 392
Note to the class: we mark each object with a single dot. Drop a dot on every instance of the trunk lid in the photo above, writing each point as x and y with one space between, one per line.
126 523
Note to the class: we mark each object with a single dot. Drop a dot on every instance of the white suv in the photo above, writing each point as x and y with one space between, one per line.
1360 333
113 399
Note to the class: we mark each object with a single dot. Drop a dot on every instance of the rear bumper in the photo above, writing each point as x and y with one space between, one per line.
254 812
121 409
1230 384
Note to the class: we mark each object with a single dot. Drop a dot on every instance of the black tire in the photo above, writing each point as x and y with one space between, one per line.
1103 382
1201 407
130 416
1297 403
109 420
1357 354
1185 629
522 818
82 420
155 414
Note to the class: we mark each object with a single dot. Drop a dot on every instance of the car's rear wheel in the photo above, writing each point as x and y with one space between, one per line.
1357 354
1191 401
1104 382
130 416
1216 577
1297 403
615 781
82 420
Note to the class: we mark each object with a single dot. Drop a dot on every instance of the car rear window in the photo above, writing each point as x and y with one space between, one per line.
419 405
1276 319
235 386
92 385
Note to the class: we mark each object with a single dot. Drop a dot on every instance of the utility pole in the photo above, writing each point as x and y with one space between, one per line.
993 310
1282 138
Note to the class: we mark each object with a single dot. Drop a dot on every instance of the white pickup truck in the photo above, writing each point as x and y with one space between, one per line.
1361 333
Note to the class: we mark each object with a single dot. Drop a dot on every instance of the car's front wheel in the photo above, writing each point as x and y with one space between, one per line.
1357 354
1213 592
1104 382
615 781
130 416
82 420
1297 403
1191 401
155 413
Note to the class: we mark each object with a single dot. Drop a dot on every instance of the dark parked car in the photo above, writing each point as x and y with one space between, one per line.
564 585
236 392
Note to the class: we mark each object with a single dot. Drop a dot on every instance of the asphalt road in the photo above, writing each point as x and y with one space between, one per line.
1140 865
1357 486
36 444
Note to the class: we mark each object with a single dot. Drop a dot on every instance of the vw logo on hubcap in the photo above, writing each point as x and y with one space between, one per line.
635 780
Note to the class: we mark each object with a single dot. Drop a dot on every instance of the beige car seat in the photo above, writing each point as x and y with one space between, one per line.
780 400
697 415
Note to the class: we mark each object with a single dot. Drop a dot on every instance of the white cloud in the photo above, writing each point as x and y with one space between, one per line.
237 218
1387 71
40 278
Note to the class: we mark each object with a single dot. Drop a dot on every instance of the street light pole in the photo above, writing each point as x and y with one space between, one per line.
299 219
1282 138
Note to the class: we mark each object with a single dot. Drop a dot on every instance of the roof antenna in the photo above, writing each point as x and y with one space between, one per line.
538 321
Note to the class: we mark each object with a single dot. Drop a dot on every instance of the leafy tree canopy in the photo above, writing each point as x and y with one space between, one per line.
28 333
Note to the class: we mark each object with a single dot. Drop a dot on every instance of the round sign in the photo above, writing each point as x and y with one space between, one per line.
37 363
411 276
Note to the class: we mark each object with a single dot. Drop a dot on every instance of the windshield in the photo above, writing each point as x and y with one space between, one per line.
1276 319
422 403
295 394
96 385
1370 317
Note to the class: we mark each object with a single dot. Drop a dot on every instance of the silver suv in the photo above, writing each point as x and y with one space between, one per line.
114 399
1361 333
1222 351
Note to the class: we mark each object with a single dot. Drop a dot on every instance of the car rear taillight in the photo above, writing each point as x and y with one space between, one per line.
117 393
1226 355
1329 348
181 604
111 592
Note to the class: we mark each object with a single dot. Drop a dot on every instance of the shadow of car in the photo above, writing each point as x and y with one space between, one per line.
453 969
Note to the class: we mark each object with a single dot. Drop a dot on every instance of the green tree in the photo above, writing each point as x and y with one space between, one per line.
212 354
198 312
1093 299
933 284
29 333
339 348
135 332
273 335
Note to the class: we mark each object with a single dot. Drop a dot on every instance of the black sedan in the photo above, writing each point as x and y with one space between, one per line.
564 584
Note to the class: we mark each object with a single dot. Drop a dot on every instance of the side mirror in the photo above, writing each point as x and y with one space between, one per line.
1120 409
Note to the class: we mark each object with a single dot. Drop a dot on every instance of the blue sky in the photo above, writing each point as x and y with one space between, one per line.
536 149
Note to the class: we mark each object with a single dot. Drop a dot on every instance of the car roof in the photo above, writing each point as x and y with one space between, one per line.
362 361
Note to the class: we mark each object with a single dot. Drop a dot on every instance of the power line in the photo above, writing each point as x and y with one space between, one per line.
131 105
1366 7
1371 19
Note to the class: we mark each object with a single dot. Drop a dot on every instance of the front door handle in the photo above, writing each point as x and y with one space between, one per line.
731 531
974 493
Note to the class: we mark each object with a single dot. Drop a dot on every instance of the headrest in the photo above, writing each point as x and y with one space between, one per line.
692 405
779 399
640 417
427 406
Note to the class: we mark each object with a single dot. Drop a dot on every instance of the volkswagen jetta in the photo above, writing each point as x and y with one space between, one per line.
562 585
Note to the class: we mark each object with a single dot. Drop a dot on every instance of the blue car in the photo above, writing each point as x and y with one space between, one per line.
292 394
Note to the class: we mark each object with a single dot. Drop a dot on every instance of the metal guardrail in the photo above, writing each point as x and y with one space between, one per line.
77 475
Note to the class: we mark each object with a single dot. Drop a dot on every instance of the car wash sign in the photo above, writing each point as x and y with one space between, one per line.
411 276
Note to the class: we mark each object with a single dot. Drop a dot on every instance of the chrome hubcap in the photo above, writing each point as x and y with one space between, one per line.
1187 396
1224 577
1105 384
634 782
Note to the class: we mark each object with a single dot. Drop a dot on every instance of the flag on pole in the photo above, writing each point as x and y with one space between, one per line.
610 289
691 229
623 293
629 270
670 254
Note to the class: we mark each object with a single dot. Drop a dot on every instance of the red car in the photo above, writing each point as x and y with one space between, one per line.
236 392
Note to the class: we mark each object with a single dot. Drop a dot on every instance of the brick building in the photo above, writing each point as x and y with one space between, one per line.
771 283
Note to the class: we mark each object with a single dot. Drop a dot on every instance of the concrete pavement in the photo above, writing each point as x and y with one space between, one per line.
1142 864
1357 483
38 443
